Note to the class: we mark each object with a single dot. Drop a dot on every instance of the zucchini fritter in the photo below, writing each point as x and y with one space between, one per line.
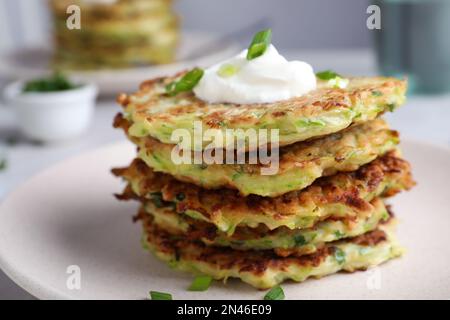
122 34
282 240
263 268
120 9
320 112
342 195
299 164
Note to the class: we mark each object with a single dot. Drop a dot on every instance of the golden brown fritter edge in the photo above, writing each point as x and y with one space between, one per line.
255 261
381 91
199 230
353 189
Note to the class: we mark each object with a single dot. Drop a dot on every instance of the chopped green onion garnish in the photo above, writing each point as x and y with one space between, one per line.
339 255
180 196
171 87
144 242
227 70
338 234
327 75
299 240
155 295
338 83
200 283
157 199
276 293
259 44
377 93
186 83
391 107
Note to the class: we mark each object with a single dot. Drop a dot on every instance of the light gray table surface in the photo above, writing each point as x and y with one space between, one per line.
425 118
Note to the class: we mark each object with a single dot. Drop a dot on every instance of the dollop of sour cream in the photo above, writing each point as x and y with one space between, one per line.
267 78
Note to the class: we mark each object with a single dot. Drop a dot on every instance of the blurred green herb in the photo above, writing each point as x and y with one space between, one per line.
56 82
12 141
3 164
201 283
327 75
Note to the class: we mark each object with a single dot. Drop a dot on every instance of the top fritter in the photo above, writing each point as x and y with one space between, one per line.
322 111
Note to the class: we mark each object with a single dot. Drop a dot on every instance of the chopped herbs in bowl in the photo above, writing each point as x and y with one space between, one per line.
56 82
53 108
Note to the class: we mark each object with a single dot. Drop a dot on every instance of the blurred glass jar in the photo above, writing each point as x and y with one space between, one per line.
414 41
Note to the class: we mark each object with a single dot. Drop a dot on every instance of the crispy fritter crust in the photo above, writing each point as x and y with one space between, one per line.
364 99
298 166
264 268
253 261
383 177
282 240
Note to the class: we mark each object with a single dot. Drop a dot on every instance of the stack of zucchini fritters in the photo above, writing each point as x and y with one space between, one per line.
115 34
321 213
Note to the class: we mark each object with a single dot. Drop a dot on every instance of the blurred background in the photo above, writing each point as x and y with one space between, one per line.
123 43
295 23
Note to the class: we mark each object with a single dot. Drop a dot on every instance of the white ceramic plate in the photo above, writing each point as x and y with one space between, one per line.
196 49
67 216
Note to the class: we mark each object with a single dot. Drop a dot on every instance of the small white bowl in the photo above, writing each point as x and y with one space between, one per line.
52 116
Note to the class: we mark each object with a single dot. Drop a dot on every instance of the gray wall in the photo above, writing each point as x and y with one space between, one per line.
296 23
